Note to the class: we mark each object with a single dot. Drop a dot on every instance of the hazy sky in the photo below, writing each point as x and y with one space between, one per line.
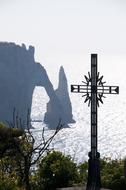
66 31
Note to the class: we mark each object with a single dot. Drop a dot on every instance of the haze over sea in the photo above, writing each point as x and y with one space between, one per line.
75 141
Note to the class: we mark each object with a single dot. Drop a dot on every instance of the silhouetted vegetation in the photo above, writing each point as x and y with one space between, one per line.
57 170
112 173
18 155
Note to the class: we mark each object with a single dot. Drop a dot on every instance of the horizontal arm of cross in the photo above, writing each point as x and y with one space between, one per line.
100 89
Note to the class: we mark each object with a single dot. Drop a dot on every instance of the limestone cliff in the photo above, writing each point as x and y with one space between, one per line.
19 74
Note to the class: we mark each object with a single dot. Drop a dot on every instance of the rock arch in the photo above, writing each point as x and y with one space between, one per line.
19 74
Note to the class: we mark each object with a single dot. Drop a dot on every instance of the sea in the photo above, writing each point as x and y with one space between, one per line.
75 140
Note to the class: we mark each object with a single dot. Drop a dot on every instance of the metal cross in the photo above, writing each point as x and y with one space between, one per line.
94 90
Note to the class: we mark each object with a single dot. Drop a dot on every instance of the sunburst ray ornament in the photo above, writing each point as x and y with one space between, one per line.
100 85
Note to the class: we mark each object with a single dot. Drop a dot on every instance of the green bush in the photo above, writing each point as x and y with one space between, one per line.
112 174
7 184
57 170
83 173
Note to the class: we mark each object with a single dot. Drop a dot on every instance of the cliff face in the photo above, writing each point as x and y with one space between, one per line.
16 80
19 74
63 96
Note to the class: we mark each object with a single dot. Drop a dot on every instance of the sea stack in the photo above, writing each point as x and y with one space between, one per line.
63 96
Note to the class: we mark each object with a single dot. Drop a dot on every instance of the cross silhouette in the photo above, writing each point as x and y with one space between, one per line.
94 90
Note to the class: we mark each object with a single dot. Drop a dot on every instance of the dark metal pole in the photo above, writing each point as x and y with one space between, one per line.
94 182
93 105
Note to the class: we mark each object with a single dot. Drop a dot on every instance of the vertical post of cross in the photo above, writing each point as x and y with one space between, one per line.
94 181
94 105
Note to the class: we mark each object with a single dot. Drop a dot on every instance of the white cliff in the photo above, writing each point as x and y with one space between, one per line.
19 74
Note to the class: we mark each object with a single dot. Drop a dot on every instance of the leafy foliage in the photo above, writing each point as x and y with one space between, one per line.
8 155
57 170
83 172
8 139
18 153
112 174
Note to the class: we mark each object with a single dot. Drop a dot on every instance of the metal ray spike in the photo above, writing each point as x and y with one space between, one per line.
103 96
100 79
89 75
100 99
86 99
86 78
84 95
84 82
97 103
89 102
98 75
